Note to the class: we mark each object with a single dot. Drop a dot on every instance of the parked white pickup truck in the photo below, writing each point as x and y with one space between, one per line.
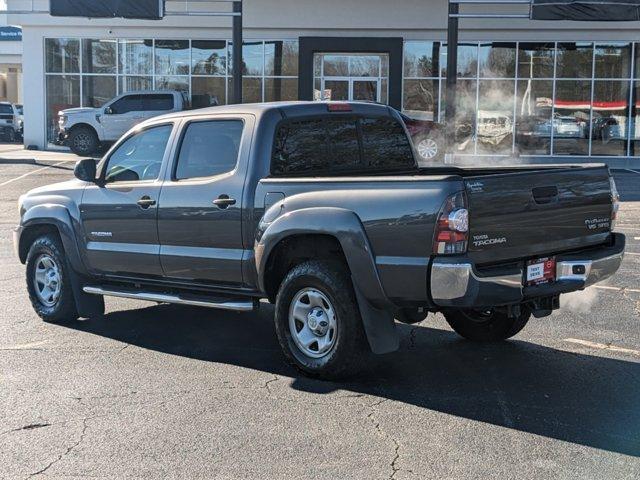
84 130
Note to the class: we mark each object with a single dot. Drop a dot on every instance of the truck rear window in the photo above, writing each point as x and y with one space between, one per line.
339 145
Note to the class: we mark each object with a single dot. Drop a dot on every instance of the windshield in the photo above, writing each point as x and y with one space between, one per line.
6 108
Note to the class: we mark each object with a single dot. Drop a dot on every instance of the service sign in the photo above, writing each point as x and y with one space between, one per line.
10 34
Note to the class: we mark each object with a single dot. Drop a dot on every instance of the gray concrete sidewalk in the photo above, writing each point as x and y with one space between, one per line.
15 153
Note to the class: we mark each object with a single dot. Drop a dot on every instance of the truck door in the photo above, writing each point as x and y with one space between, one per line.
121 115
119 215
200 212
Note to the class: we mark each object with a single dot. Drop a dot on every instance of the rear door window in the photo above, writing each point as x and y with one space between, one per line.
157 102
209 148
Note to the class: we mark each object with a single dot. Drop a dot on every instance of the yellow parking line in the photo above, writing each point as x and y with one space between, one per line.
603 346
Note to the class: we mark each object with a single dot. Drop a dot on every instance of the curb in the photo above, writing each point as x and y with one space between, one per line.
17 161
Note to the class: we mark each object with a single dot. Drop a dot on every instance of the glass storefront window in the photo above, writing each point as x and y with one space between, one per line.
571 117
251 89
575 60
62 92
535 60
336 66
209 57
132 83
136 57
281 58
208 91
180 84
364 66
172 57
252 58
99 56
98 89
613 60
467 60
609 123
634 128
62 55
495 117
534 106
421 99
497 60
421 59
465 122
280 89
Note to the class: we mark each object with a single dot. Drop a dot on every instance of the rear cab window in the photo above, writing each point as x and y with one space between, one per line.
157 102
340 145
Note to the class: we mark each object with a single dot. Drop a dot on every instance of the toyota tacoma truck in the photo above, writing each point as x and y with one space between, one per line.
85 130
321 209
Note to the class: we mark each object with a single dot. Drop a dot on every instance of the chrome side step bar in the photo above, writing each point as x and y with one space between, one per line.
235 305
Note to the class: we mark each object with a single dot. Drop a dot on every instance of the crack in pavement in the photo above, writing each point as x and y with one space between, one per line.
269 382
396 445
67 452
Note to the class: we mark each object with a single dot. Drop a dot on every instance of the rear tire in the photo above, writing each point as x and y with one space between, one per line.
489 325
318 322
49 282
83 141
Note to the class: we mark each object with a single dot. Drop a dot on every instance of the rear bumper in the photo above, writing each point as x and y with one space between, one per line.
456 282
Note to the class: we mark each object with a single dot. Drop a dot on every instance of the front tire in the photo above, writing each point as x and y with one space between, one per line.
318 322
486 325
48 281
83 141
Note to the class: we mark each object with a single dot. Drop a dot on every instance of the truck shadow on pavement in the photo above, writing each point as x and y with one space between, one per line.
583 399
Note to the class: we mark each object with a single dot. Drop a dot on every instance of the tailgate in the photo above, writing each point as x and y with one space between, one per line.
528 214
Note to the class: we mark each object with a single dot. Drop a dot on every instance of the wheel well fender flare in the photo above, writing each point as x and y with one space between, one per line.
85 125
345 226
52 215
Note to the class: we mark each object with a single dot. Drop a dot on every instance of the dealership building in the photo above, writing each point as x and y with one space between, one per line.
533 89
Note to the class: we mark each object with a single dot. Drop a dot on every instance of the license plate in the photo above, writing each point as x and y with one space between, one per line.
541 270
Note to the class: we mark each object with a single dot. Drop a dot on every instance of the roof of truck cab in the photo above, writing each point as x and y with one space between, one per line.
292 108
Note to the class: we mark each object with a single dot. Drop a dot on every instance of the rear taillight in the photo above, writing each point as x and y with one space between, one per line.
615 202
452 228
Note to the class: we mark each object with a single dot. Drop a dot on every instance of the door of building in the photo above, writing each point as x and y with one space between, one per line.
352 77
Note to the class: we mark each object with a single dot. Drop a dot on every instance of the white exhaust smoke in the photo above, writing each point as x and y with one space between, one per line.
579 302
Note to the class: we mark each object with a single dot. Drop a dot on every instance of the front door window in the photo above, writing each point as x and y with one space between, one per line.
351 77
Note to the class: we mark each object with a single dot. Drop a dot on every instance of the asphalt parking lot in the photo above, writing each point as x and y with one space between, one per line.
153 391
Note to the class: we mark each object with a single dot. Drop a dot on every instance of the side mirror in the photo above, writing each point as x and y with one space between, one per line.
108 111
85 170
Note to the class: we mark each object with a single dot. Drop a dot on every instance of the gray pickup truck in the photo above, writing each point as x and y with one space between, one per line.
321 209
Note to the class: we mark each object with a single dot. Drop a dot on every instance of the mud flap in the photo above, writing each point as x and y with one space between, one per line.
87 305
379 326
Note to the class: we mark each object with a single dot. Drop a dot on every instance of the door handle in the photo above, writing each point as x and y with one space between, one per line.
223 201
146 202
